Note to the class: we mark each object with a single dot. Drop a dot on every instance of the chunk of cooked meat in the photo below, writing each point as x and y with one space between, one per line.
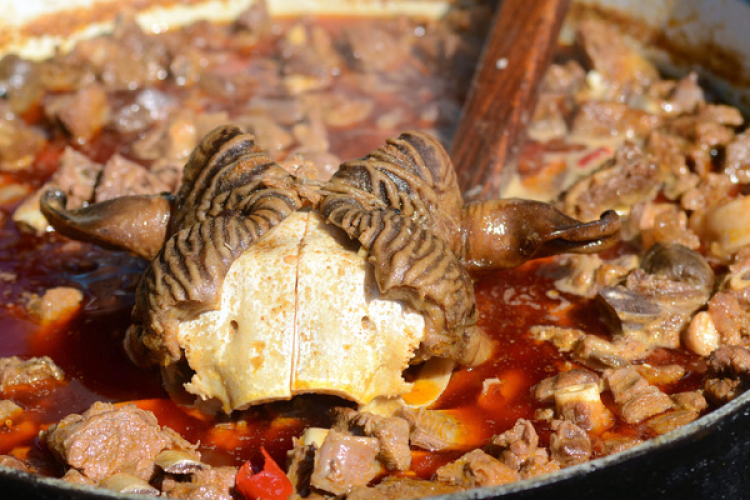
16 371
518 448
728 373
544 391
434 430
106 440
401 488
391 432
476 469
636 398
345 461
632 177
569 444
214 483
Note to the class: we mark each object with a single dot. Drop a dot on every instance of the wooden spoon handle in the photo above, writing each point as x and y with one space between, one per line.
503 93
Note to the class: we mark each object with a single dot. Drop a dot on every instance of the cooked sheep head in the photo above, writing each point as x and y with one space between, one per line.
267 286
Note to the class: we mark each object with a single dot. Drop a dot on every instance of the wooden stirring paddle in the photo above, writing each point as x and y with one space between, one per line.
503 93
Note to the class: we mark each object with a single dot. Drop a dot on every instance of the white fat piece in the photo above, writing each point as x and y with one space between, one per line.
300 312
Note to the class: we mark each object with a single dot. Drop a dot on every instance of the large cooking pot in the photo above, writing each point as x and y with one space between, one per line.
708 458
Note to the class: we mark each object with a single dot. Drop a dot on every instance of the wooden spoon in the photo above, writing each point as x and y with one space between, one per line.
503 93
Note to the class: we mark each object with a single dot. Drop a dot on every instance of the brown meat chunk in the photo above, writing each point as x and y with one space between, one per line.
671 420
14 463
76 177
635 397
610 444
301 463
599 353
55 304
476 469
728 310
19 143
344 462
126 60
401 488
9 411
737 158
728 373
632 177
16 371
606 119
544 391
83 114
569 444
433 430
106 440
515 446
122 177
216 483
661 375
391 432
624 70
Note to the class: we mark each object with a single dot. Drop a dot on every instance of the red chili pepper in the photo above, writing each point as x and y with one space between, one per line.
269 484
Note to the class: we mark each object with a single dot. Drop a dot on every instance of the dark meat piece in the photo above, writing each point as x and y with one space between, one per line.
728 373
255 19
476 469
606 119
433 430
662 223
599 353
106 440
373 48
669 151
149 106
301 463
215 483
632 177
548 120
728 311
344 462
122 177
635 397
660 375
20 83
14 463
518 449
82 114
401 488
16 371
515 446
737 158
76 177
565 79
678 97
19 143
610 444
569 444
308 58
544 391
126 60
622 68
391 432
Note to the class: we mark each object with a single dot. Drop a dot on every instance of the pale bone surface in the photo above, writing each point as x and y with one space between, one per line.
300 312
